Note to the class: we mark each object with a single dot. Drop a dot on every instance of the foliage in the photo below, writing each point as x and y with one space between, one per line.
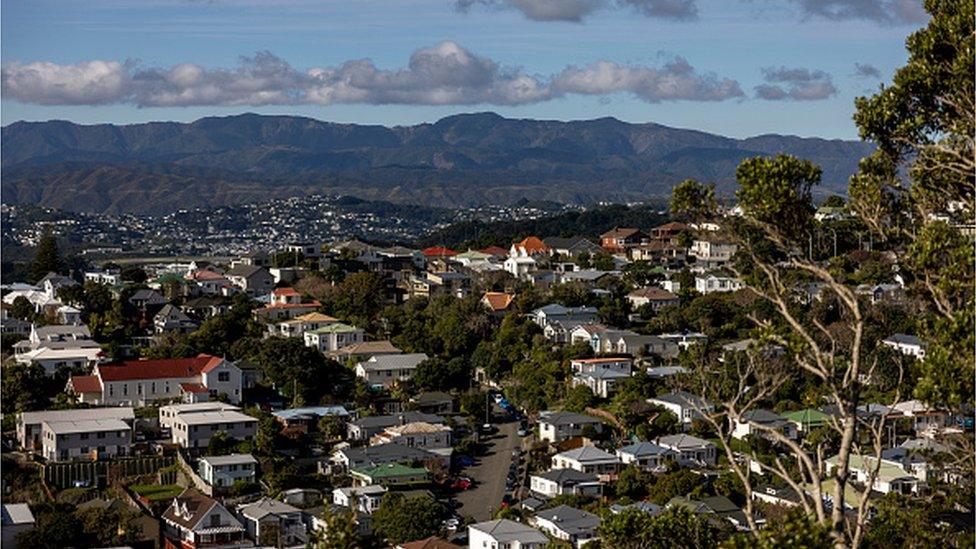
24 387
692 200
795 529
578 399
299 372
402 518
47 258
673 484
341 531
675 527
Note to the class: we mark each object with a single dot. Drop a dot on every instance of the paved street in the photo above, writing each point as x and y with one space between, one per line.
489 474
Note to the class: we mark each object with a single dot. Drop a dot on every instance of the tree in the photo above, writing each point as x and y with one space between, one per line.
632 483
47 258
55 526
401 518
301 373
578 399
24 387
793 530
341 531
676 527
22 308
134 274
692 200
108 527
669 485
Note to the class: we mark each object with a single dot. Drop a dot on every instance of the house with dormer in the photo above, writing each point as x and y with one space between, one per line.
195 520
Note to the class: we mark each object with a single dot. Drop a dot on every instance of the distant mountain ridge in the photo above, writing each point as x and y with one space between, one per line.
459 160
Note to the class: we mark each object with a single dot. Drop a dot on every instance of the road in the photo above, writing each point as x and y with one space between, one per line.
489 474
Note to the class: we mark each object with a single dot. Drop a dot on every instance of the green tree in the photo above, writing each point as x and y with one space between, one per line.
401 518
578 399
55 527
673 484
692 200
795 529
47 258
22 308
24 387
632 483
341 531
301 373
675 527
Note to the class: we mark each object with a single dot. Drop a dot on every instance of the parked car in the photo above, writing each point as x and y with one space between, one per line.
461 484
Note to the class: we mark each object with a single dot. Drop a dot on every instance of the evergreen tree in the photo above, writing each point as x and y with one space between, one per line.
47 258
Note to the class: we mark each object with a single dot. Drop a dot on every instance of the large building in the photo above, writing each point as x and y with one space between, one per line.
29 424
85 439
195 430
143 382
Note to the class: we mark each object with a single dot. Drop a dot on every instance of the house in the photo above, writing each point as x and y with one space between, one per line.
56 337
15 518
621 365
211 283
777 495
365 499
890 476
686 406
881 293
107 277
712 252
645 455
600 382
555 427
619 240
505 534
686 339
556 482
587 459
588 278
642 506
351 457
29 424
364 350
571 247
305 249
194 520
171 319
567 524
85 439
658 251
923 416
66 314
141 382
560 331
364 428
438 252
433 402
224 471
760 422
388 474
147 299
296 327
639 345
385 370
497 302
531 246
690 451
52 360
306 419
719 507
653 297
273 523
195 430
807 419
555 312
332 337
712 283
907 345
519 267
52 282
285 303
428 436
251 279
207 306
168 413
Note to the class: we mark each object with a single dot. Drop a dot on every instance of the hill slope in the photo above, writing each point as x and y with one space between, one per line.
459 160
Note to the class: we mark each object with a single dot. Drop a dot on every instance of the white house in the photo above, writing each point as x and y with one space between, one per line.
568 524
645 455
556 482
689 450
333 336
385 370
760 422
890 476
168 413
907 345
284 521
142 382
519 267
365 499
686 406
555 427
504 534
195 430
553 312
85 439
224 471
428 436
29 423
587 459
195 520
712 252
712 283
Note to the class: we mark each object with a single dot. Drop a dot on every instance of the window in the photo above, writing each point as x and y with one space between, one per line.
84 449
223 376
84 436
215 520
125 389
101 449
100 434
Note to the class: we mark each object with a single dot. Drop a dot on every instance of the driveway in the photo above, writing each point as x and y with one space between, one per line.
489 474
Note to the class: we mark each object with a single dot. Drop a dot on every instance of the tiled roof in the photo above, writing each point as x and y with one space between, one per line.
85 384
498 301
288 291
437 251
653 292
196 505
532 244
158 368
192 388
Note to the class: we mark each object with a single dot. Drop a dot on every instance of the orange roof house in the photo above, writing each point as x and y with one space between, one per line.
529 246
439 251
497 302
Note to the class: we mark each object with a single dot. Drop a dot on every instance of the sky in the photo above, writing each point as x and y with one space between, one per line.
732 67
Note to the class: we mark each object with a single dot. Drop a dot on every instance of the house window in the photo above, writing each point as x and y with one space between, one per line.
215 520
125 389
100 434
84 436
223 376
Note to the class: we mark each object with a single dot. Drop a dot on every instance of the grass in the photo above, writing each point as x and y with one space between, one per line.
157 492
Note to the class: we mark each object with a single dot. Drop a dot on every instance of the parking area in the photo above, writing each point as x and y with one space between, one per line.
490 474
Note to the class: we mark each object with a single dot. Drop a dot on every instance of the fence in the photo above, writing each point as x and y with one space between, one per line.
101 473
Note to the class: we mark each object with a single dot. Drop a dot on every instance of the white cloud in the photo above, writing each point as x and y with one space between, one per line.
445 74
796 84
576 10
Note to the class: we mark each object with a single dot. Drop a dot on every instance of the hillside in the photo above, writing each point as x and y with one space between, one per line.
460 160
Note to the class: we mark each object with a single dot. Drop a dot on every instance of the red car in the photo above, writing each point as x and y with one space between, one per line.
461 484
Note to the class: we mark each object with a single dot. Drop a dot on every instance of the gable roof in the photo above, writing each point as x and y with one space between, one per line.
569 519
266 506
504 530
498 301
586 453
247 271
532 244
394 362
683 441
643 449
621 232
438 251
85 384
653 293
158 368
189 508
567 476
566 418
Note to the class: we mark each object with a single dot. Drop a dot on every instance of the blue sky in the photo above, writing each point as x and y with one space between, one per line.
733 67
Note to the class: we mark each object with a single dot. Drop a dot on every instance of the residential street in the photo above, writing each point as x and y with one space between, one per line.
489 474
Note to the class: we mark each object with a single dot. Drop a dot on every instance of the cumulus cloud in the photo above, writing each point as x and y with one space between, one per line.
676 80
865 70
796 84
576 10
888 12
445 74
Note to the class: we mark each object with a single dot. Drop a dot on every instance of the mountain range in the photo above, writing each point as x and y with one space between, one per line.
457 161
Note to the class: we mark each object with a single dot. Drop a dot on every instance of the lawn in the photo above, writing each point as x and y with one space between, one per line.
157 492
